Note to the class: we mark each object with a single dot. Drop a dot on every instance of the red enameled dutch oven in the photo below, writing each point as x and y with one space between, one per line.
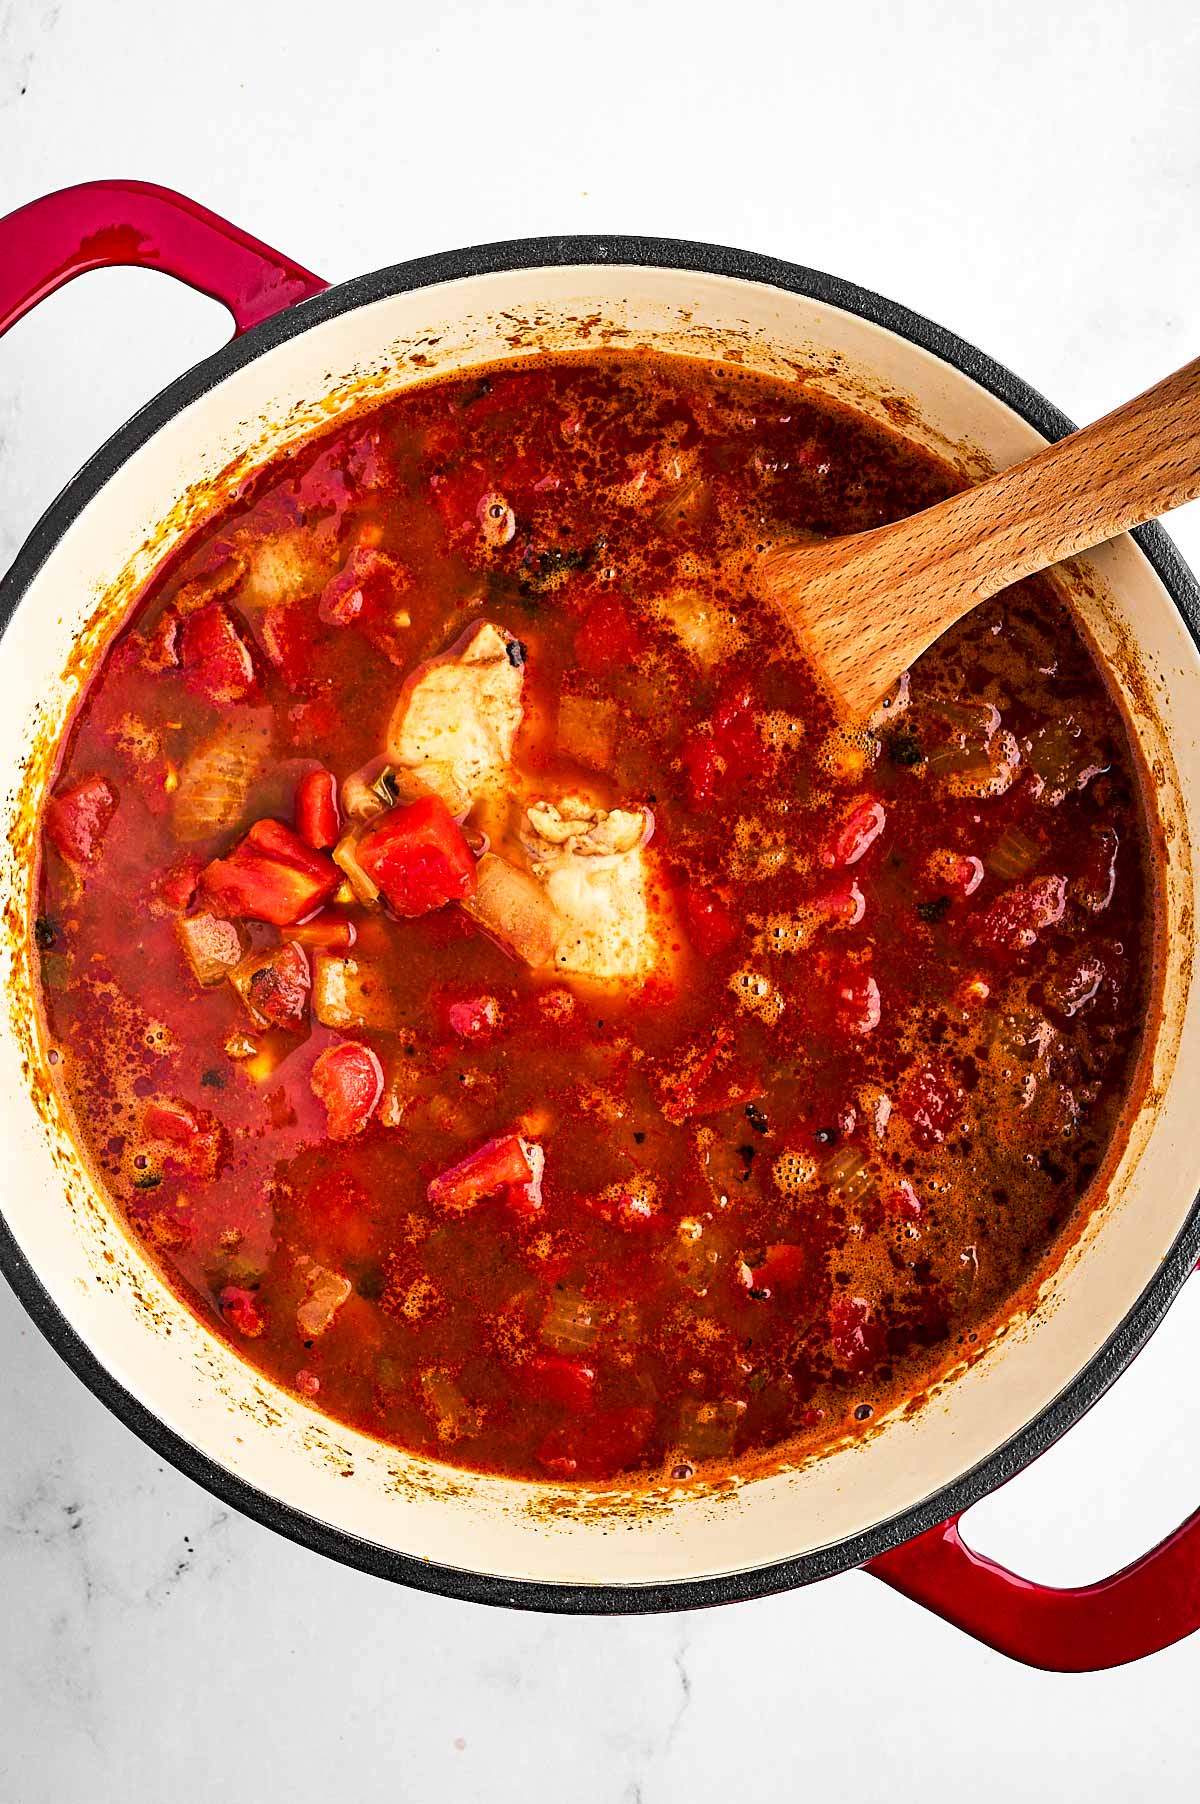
301 352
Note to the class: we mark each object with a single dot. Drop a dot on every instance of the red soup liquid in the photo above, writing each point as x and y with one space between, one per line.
506 1002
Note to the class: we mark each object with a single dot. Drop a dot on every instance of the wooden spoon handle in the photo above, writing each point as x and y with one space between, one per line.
870 604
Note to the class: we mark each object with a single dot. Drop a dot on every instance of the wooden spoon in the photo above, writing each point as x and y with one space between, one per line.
864 607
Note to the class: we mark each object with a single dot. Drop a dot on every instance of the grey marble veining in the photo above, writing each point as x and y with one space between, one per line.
1027 174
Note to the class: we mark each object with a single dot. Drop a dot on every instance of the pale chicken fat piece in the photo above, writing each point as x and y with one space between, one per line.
593 865
453 728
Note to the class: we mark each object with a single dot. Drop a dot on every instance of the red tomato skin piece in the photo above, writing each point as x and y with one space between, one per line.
318 820
418 856
506 1162
217 665
271 875
857 834
348 1080
78 818
711 926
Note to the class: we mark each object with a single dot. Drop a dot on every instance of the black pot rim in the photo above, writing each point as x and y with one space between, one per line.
367 1556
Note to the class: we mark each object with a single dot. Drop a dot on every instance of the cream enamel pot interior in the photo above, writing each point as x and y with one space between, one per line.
187 1393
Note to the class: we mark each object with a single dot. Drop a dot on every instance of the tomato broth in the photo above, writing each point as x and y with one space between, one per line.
505 999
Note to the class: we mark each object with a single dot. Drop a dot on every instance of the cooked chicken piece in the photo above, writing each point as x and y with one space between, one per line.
593 866
327 1291
453 727
213 946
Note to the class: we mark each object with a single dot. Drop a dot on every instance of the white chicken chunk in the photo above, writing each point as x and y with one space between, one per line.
453 728
593 864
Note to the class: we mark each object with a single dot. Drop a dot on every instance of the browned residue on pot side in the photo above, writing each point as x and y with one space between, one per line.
117 1262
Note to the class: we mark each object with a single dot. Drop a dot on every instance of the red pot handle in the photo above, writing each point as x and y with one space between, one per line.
98 224
1084 1628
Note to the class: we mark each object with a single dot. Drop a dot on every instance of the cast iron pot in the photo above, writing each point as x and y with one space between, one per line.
300 352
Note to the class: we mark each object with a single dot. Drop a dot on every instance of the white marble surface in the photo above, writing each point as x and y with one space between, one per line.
1026 173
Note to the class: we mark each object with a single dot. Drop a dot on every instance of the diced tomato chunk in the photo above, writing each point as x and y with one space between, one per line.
217 665
348 1080
711 925
177 1122
857 833
949 873
843 906
78 817
243 1311
509 1163
177 885
856 1335
568 1383
317 817
931 1102
719 762
288 636
417 856
271 875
